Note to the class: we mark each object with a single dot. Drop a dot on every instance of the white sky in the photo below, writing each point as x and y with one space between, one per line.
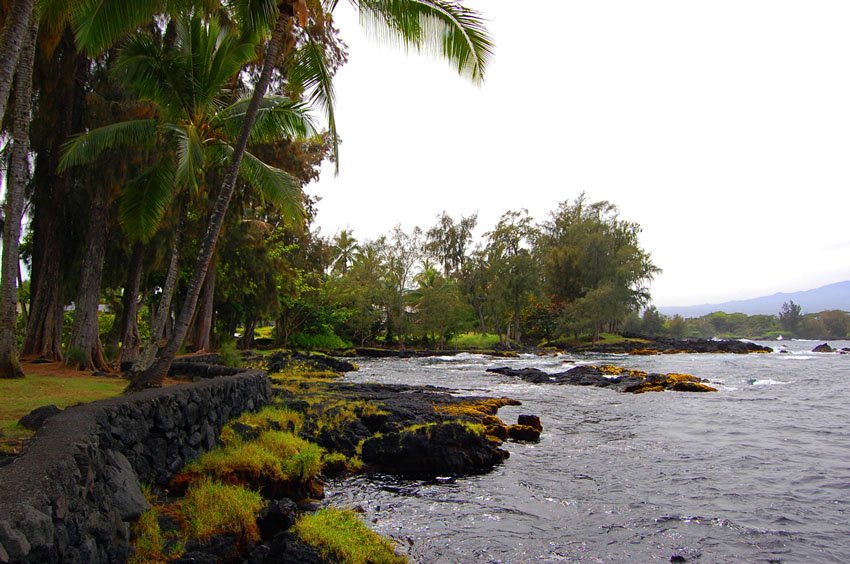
722 127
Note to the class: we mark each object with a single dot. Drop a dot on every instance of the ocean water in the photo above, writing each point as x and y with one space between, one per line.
758 472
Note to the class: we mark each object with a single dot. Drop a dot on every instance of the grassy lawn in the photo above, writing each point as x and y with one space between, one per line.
612 338
47 384
474 341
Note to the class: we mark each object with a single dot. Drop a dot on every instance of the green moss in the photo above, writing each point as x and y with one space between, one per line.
275 417
211 508
335 464
475 428
342 537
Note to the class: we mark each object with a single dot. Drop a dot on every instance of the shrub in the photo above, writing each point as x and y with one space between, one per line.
229 355
212 508
340 536
323 341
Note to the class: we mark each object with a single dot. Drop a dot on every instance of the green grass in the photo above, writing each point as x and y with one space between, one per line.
283 418
150 543
211 508
473 341
342 537
264 332
19 397
276 454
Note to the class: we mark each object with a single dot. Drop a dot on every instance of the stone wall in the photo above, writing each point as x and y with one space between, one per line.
71 496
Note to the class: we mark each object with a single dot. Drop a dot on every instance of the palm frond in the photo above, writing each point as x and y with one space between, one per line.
278 188
151 73
278 118
190 156
145 200
255 17
87 147
310 71
99 23
225 56
444 28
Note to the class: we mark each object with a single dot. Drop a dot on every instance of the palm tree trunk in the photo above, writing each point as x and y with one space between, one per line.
157 372
202 324
18 174
129 327
163 310
12 44
85 350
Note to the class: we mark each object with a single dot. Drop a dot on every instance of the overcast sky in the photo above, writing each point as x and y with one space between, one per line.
722 127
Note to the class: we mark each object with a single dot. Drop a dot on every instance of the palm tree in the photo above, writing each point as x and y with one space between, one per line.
188 85
455 32
345 248
13 209
13 41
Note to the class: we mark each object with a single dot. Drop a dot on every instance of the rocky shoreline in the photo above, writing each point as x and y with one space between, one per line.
662 345
612 377
407 431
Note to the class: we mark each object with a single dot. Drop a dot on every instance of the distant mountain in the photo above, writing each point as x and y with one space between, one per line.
832 296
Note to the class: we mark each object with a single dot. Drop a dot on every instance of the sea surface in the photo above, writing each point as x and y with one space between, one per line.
759 472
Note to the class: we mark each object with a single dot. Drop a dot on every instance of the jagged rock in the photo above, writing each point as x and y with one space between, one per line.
530 421
280 360
523 433
433 450
607 376
36 418
823 348
277 516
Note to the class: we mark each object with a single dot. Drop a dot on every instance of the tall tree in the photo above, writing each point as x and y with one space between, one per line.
188 82
456 32
345 248
593 259
790 316
448 241
513 272
17 177
12 41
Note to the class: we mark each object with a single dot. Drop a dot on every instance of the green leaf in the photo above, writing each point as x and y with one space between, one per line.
446 29
190 156
87 147
145 200
309 71
278 118
98 24
278 188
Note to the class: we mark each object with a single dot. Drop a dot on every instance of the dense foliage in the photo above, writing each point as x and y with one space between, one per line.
831 324
159 149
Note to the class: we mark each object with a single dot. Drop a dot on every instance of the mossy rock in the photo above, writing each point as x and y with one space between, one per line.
523 433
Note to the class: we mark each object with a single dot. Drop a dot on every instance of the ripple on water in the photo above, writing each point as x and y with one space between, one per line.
756 472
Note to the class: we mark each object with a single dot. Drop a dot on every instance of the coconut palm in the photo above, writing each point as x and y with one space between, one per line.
13 39
192 132
345 248
446 28
13 209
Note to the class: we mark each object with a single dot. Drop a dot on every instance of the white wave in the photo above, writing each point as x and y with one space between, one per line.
766 382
